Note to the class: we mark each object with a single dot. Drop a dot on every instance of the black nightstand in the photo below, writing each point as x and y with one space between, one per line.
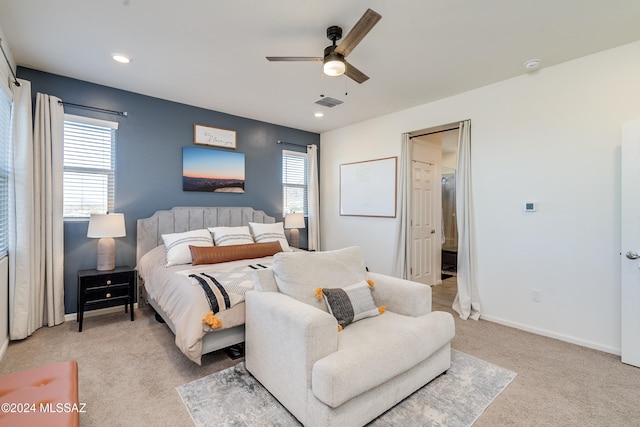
100 289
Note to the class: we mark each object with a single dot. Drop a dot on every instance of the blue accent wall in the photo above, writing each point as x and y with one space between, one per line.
149 162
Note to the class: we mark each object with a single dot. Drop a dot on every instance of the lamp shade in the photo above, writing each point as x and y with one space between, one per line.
106 225
294 220
334 65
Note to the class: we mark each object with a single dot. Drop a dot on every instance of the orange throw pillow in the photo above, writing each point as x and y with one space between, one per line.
217 254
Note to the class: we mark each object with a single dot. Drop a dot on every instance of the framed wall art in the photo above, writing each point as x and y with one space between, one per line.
215 171
217 137
368 188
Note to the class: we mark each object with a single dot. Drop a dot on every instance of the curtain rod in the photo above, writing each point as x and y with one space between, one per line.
433 133
15 79
87 107
291 143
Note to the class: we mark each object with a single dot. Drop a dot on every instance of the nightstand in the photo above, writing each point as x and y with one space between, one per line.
100 289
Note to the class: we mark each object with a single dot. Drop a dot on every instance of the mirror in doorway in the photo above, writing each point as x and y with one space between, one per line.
449 227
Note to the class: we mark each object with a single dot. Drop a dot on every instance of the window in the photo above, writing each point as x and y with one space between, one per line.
294 182
89 164
5 144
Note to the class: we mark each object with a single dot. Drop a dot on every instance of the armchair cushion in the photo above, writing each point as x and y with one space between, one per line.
298 274
376 350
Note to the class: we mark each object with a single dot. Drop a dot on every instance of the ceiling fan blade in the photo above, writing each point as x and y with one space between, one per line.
294 58
357 33
355 74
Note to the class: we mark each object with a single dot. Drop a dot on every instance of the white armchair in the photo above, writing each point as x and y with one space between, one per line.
347 378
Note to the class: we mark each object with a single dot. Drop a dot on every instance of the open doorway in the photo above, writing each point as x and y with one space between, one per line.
433 230
467 301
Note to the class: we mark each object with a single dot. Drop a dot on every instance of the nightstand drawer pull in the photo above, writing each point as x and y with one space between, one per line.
108 295
108 282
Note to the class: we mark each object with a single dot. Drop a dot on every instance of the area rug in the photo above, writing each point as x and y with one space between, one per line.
232 397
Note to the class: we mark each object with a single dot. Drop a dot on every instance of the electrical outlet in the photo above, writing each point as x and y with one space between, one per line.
535 295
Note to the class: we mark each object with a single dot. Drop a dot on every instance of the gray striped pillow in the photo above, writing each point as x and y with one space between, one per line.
227 236
177 245
263 233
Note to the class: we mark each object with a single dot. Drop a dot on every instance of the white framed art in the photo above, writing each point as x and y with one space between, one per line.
217 137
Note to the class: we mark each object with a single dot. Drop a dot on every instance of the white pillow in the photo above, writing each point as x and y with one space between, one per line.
263 233
177 245
225 236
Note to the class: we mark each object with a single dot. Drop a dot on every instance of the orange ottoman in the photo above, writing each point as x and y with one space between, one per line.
44 396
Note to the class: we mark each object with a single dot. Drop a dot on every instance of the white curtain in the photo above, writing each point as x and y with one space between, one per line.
313 203
36 246
466 303
401 262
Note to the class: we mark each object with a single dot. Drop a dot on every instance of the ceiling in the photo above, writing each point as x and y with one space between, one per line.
211 54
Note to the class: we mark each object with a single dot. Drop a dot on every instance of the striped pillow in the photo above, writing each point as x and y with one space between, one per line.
263 233
177 245
226 236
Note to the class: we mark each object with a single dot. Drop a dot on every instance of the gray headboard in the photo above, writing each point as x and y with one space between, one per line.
185 218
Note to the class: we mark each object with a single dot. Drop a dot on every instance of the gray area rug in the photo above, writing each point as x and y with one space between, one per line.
232 397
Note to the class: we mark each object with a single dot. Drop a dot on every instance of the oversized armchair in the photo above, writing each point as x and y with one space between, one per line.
327 377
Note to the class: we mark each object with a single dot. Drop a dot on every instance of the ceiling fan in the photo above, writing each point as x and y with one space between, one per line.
334 59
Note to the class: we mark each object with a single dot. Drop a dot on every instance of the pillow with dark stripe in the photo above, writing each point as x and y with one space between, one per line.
225 236
270 233
177 245
351 303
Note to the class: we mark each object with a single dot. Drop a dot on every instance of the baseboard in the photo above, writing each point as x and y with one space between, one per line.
555 335
99 312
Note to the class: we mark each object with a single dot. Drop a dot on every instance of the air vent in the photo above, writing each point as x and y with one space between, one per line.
328 101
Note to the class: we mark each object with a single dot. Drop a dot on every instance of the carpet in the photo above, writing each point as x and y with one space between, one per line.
234 397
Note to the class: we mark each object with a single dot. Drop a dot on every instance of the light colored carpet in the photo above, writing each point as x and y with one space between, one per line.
128 372
234 397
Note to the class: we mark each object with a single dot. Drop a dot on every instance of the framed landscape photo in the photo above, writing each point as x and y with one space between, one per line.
215 171
217 137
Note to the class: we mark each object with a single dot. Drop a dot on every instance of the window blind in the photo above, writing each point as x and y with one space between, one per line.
5 144
89 166
294 182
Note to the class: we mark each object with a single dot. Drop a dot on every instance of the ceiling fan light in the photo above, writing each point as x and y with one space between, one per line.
334 66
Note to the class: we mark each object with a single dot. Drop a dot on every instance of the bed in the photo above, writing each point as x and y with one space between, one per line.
170 290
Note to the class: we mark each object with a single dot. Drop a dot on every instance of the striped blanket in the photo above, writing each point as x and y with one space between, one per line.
224 289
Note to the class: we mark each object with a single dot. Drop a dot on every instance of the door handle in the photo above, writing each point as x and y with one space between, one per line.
632 255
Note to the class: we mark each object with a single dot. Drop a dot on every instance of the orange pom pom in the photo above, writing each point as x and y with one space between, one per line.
382 309
371 283
211 320
339 328
319 293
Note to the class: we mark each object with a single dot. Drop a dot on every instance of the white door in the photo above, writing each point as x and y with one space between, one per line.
630 243
423 227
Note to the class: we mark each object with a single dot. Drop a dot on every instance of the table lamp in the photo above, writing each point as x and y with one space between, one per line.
294 221
105 227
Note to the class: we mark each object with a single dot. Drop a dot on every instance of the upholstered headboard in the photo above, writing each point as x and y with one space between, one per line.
185 218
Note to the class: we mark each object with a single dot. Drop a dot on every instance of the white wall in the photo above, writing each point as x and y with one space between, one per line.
552 136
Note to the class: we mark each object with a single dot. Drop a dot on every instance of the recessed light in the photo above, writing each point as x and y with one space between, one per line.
318 114
532 64
119 57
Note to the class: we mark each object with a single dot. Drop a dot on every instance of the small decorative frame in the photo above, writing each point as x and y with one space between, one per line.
207 135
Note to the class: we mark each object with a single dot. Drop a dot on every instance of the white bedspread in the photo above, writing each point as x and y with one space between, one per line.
185 302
